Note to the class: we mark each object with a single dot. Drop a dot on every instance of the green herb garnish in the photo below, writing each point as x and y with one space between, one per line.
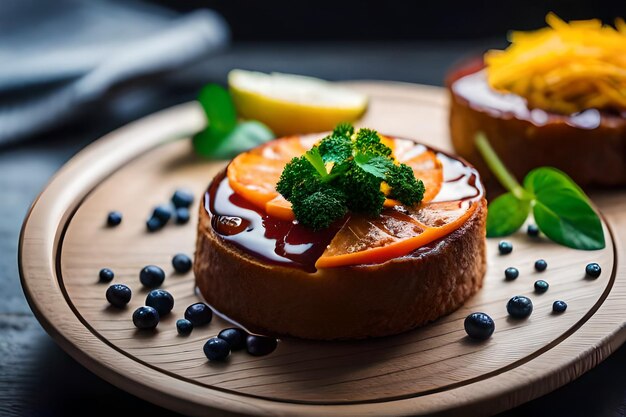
561 209
342 173
224 137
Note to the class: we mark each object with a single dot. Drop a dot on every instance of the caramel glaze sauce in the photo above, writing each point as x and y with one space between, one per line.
469 82
287 243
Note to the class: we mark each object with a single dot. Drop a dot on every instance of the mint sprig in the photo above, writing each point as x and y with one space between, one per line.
315 159
561 209
378 166
224 137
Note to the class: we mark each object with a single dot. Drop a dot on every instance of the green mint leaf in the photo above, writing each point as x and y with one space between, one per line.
221 118
573 224
219 109
246 135
223 138
506 215
315 158
378 166
562 210
205 142
548 180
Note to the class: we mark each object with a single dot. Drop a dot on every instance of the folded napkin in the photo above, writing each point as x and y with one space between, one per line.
58 58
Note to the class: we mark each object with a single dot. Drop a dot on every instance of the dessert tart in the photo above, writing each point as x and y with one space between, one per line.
362 276
555 97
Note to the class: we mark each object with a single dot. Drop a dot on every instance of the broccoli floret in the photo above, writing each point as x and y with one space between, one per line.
344 130
368 142
362 190
335 148
320 209
319 198
404 186
298 174
315 202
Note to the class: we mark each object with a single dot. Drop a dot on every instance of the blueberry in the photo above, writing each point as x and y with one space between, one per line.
511 273
559 306
235 337
162 213
505 247
184 327
260 345
182 215
118 295
106 275
181 263
161 300
540 265
199 314
216 349
153 224
479 326
114 218
146 318
541 286
519 307
593 270
151 276
182 198
532 230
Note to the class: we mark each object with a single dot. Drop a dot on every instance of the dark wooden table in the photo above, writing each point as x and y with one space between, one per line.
38 379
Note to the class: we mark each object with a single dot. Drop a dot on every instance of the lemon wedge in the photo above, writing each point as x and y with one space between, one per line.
291 104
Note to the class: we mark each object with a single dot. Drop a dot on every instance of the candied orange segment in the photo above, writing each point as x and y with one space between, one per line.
280 208
364 240
254 174
254 181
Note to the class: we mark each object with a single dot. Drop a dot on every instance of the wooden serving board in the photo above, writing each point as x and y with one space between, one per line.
435 369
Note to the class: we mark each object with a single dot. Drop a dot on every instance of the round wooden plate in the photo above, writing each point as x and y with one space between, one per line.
435 369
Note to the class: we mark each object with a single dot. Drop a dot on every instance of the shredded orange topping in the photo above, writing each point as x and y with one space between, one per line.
566 67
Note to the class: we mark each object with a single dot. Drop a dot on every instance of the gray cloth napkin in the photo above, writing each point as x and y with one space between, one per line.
57 58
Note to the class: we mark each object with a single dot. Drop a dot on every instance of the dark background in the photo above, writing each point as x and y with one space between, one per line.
393 40
333 20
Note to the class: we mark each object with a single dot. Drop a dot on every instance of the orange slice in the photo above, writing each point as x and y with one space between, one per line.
254 174
363 240
280 208
428 168
254 178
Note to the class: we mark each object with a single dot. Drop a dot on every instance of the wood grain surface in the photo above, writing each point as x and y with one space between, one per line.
433 369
